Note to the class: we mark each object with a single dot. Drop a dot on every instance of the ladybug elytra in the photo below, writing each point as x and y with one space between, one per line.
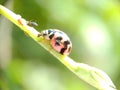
58 40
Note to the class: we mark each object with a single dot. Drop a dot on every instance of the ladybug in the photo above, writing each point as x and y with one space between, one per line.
58 40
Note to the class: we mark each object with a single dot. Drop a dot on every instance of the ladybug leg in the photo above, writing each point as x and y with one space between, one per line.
39 35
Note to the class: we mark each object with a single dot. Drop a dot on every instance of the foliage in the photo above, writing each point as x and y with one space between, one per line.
93 28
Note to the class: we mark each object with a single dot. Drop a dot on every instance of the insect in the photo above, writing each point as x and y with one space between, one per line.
29 23
32 24
58 40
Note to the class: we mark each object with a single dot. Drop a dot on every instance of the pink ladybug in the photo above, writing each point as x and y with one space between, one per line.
58 40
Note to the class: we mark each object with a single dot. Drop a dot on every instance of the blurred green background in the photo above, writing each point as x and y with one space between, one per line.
92 25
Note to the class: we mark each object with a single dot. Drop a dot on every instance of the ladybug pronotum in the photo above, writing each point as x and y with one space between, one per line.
58 40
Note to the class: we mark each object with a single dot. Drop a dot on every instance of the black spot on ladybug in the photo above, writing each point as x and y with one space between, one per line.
51 36
66 43
49 31
44 34
57 44
62 50
69 49
58 39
